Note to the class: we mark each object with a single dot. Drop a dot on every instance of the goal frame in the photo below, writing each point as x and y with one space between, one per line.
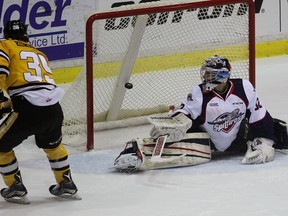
141 11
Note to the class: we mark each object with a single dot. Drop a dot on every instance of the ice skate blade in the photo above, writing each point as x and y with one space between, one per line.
69 196
18 200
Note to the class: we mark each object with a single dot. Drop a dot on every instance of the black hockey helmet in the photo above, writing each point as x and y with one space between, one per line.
17 30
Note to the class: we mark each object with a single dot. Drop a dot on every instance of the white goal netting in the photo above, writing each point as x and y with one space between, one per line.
158 48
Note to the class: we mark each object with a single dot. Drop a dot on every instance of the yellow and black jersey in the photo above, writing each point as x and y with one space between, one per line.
27 72
23 64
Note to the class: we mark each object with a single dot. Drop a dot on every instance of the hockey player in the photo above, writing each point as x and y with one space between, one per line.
225 108
27 79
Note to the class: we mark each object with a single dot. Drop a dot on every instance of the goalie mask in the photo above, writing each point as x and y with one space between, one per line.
16 30
214 71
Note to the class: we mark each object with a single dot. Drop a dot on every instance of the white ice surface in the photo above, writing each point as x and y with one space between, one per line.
222 187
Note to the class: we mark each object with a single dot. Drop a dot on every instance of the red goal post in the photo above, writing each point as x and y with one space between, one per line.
164 8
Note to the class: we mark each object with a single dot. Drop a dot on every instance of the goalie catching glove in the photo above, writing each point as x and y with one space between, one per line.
260 150
174 127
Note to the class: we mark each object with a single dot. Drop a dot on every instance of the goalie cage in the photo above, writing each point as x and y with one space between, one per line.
157 47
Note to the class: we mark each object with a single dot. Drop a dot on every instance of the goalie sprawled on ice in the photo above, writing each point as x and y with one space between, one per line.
220 114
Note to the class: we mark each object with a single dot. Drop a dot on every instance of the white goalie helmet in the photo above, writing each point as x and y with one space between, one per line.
214 71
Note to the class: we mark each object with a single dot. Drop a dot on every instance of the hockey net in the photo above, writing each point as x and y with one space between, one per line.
157 47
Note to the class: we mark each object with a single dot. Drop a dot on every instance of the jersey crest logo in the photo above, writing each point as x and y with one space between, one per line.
226 121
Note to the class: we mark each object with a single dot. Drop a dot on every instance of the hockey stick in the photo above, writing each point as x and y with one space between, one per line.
158 149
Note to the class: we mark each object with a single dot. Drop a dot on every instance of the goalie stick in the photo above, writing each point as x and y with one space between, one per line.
158 149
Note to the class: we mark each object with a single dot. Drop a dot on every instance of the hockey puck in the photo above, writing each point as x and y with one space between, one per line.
128 85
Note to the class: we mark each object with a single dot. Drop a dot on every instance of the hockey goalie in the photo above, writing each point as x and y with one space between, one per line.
221 114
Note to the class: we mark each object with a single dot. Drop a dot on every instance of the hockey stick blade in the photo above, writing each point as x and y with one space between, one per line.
18 200
158 149
166 160
284 151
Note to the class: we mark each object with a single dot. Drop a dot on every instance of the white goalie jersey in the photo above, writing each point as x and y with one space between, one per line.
221 115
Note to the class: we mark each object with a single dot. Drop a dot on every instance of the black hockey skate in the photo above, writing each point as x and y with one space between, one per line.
65 189
16 193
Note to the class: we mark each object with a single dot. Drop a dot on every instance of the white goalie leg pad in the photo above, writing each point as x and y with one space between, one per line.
259 151
194 149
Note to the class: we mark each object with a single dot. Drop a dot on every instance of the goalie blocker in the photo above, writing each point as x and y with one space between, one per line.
149 153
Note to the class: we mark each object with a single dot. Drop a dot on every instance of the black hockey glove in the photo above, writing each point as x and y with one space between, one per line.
5 107
2 97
